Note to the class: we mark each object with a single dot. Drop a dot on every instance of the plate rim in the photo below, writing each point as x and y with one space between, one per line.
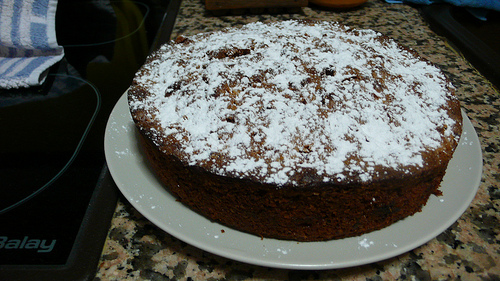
121 113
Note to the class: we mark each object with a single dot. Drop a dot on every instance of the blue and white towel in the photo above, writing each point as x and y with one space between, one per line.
28 45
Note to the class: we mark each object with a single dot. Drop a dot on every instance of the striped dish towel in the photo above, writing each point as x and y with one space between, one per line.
28 45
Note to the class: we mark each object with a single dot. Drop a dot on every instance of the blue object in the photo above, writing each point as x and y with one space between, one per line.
28 45
483 4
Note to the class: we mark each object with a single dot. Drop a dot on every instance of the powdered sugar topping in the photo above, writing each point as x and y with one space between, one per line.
275 99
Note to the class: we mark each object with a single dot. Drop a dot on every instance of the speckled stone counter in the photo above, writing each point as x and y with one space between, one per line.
468 250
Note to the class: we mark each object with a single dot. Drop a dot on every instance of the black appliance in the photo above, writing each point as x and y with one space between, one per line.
56 195
474 32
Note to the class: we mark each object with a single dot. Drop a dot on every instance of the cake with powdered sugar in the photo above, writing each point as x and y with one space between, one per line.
301 130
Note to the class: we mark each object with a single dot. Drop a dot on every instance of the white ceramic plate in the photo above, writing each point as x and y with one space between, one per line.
139 185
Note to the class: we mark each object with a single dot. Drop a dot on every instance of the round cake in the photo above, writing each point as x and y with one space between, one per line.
299 130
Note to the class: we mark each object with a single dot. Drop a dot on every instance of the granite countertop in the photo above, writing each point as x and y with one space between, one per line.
468 250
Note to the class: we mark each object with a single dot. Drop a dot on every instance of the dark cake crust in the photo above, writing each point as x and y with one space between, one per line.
330 211
309 205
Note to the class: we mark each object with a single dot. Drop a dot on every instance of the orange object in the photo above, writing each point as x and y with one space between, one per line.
338 3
